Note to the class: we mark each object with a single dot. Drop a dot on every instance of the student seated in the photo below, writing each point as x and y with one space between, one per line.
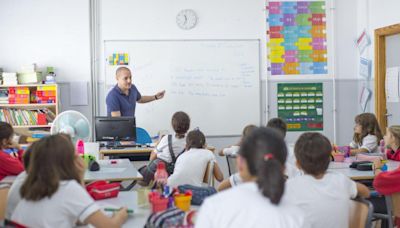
52 193
290 169
367 134
385 183
258 201
162 153
14 195
232 150
392 142
191 166
323 195
10 152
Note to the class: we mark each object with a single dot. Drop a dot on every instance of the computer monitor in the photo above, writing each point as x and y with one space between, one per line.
115 128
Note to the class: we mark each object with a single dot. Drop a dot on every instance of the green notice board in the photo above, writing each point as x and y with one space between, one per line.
301 106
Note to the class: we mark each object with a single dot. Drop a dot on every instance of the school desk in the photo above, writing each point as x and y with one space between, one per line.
129 199
125 151
343 167
113 170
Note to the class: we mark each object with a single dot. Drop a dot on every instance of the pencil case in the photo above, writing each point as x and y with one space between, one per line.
103 189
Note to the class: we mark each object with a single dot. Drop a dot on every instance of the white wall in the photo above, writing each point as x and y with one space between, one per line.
49 33
46 32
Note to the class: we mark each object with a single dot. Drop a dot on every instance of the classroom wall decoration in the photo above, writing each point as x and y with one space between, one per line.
301 106
297 37
118 59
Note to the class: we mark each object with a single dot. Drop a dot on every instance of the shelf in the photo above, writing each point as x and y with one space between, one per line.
27 105
31 126
27 85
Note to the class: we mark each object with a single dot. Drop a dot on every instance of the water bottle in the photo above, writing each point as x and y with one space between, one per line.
80 147
161 175
382 146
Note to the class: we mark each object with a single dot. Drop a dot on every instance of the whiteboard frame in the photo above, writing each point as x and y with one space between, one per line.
262 111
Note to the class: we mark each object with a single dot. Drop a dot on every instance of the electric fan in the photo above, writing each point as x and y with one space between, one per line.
72 123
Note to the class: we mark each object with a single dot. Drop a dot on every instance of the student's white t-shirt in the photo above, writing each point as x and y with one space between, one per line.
162 149
245 206
14 196
190 167
325 201
232 150
64 208
369 142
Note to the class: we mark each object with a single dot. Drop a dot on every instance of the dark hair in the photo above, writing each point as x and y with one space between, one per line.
6 131
263 142
52 160
195 139
313 153
369 125
181 123
278 124
27 155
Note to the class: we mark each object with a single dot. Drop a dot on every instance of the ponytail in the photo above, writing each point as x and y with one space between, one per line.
265 153
271 180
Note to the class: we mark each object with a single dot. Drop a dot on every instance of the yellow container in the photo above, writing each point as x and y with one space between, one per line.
182 202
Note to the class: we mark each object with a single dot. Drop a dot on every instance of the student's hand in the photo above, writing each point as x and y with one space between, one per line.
377 164
13 144
122 214
160 95
221 152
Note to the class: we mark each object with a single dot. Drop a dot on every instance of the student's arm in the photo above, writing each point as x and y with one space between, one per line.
145 99
10 165
362 190
116 114
225 184
356 151
153 155
217 172
99 219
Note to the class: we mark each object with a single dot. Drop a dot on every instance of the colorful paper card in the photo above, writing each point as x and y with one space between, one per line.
301 106
297 37
118 59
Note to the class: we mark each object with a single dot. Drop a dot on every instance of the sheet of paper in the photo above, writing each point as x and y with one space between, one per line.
78 93
363 42
365 68
364 98
392 84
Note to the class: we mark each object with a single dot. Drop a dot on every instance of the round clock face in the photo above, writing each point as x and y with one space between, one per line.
186 19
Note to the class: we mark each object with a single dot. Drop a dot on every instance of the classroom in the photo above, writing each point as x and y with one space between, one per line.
188 113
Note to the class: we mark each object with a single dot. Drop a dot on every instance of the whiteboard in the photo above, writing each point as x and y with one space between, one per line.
217 82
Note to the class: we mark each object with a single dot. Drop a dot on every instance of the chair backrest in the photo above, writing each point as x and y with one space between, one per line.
361 213
3 200
231 161
209 174
142 136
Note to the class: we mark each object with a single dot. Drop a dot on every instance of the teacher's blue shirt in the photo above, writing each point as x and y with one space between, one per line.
117 101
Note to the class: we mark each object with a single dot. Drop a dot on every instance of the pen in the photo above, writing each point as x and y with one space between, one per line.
130 211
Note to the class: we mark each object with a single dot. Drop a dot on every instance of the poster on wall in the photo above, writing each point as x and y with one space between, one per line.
301 106
297 37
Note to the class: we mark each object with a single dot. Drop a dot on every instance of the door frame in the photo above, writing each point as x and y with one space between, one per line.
380 71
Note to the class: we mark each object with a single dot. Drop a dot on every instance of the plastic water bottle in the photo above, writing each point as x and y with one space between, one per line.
161 175
80 147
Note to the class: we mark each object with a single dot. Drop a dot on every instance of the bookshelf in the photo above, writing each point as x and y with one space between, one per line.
29 107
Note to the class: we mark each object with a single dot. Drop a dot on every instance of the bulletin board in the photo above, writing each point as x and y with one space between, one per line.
301 106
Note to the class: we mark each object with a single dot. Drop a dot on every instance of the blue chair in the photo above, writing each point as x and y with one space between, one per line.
142 136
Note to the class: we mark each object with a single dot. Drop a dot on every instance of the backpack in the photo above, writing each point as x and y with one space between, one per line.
171 217
199 194
148 171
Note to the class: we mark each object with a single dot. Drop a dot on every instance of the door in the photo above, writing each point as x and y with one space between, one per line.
393 60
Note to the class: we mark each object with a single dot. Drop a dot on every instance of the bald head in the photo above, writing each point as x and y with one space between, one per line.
124 78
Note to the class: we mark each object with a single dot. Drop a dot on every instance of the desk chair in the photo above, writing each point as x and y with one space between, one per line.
231 161
393 209
3 200
209 174
361 213
142 136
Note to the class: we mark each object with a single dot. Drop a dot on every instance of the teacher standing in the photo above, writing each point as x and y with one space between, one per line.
121 100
